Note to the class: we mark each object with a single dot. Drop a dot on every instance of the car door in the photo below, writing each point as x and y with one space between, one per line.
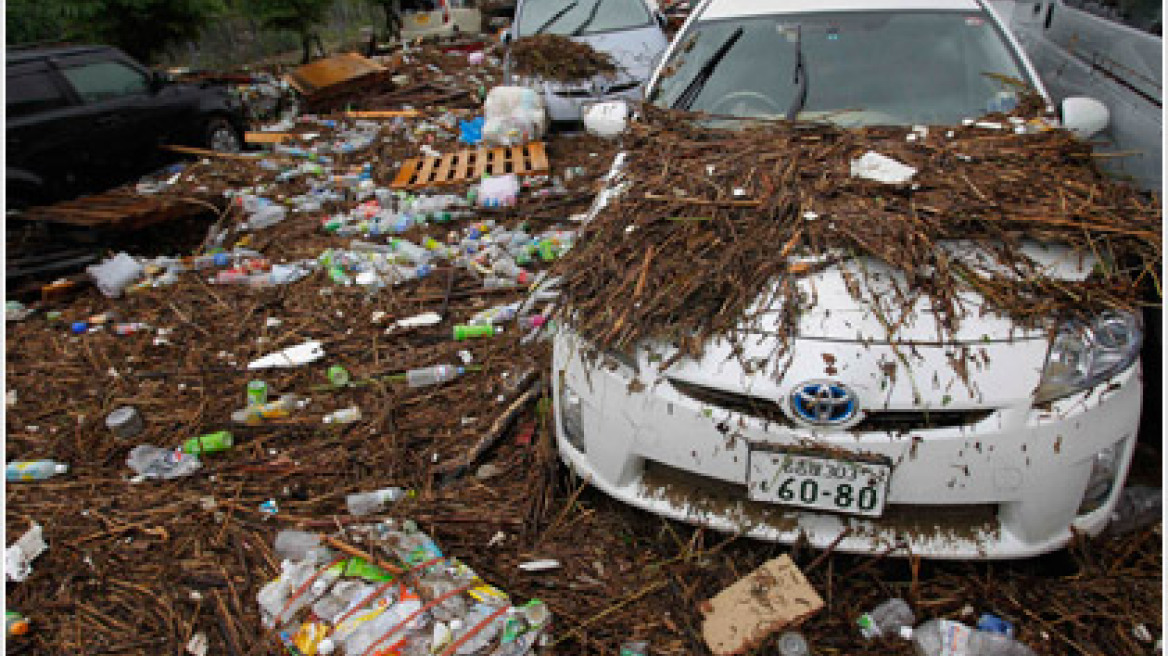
117 101
40 132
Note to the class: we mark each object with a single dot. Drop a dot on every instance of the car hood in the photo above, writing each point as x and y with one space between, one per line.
635 50
873 311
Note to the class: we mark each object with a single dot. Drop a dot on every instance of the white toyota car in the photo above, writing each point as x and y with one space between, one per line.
881 443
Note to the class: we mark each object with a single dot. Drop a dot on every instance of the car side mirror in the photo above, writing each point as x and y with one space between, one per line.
661 19
1083 116
158 79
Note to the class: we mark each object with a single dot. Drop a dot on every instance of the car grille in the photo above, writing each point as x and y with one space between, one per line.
894 421
588 92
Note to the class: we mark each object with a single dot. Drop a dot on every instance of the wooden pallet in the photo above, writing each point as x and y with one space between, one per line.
470 165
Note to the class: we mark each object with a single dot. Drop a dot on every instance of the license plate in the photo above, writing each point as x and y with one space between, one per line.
422 19
830 484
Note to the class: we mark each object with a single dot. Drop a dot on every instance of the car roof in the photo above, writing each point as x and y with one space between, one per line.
20 55
718 9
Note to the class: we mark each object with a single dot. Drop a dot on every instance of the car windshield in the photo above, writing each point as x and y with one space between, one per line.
573 17
859 68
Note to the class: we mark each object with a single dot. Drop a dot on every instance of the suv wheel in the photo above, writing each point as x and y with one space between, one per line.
220 136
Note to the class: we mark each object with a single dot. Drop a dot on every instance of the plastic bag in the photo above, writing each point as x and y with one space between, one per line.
115 274
513 116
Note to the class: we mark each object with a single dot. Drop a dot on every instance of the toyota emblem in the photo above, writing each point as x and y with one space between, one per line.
823 403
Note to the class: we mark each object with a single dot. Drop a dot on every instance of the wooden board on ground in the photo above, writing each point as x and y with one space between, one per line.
311 78
385 113
770 598
266 137
119 209
471 164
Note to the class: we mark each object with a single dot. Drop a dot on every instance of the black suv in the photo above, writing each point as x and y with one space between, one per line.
87 118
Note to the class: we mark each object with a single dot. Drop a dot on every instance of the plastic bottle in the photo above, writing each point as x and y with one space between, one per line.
495 282
157 462
344 416
292 544
254 415
482 629
463 332
15 624
433 375
266 217
281 599
340 598
209 443
886 619
792 643
939 637
507 268
34 470
367 503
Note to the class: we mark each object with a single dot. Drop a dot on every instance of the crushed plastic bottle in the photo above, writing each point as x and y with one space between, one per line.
343 416
886 619
940 637
368 503
156 462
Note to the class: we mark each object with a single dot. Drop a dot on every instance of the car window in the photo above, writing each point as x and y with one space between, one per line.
98 81
569 17
862 68
33 92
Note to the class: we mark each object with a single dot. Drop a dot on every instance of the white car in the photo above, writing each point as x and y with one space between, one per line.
628 30
439 18
1035 445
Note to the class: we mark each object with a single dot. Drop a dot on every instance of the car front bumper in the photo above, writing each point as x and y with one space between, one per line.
566 104
1007 486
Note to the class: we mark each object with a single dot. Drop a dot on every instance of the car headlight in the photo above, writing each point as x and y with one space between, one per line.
1104 467
1082 355
571 417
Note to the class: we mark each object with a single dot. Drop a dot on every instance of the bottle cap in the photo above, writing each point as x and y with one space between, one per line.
906 632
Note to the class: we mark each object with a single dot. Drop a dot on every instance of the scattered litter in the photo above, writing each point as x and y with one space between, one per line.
540 565
18 558
113 275
198 644
293 356
34 470
874 166
156 462
125 422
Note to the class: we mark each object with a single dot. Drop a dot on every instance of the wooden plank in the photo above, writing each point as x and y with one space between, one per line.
463 159
519 160
405 175
480 163
386 113
266 137
442 176
539 160
203 152
425 174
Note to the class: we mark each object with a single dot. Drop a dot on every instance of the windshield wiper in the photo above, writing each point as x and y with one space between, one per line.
558 15
588 21
695 85
800 98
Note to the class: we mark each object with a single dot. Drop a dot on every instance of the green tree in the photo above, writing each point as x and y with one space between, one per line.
392 17
143 28
299 16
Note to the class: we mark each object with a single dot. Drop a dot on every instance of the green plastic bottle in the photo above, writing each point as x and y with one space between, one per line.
463 332
209 443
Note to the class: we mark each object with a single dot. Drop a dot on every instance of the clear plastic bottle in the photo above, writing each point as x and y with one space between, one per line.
157 462
507 268
939 637
433 375
266 217
34 470
886 619
344 416
482 629
367 503
281 407
343 595
292 544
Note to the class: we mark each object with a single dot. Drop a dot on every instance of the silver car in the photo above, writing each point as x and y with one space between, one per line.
628 30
